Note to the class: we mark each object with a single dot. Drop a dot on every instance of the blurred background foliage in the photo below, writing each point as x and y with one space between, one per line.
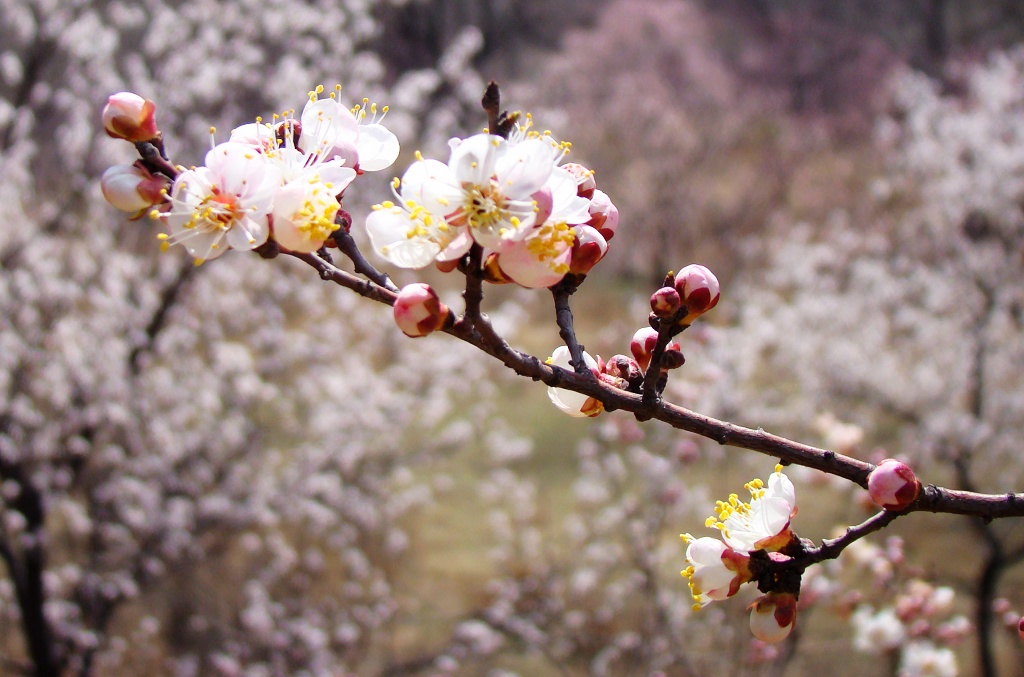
238 470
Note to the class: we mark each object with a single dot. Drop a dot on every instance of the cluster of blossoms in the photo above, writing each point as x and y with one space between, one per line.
750 531
281 180
536 219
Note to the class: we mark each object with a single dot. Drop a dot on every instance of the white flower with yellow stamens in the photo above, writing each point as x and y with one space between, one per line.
485 194
224 204
761 524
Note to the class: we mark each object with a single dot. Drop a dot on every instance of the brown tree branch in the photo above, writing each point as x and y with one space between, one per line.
932 498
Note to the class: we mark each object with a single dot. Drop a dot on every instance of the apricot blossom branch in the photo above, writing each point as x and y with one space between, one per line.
504 208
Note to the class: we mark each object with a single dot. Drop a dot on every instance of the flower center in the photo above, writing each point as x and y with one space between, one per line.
485 206
550 242
316 216
217 210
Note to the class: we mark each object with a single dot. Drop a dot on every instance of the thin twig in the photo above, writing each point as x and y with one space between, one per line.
831 548
169 295
347 246
332 273
566 330
155 160
473 295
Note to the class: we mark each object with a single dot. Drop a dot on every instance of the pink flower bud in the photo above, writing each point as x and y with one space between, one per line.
772 616
128 116
892 485
132 188
604 216
585 183
588 248
642 345
1020 627
418 310
665 302
698 287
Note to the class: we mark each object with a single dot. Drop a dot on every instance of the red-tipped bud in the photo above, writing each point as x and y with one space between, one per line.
698 287
1020 627
418 310
604 216
588 248
642 346
130 117
665 302
892 485
585 183
132 188
772 616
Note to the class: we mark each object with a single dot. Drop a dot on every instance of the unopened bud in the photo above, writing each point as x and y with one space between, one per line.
772 616
128 116
588 248
418 310
642 346
585 183
1020 627
626 368
133 189
672 359
604 216
892 485
699 290
665 302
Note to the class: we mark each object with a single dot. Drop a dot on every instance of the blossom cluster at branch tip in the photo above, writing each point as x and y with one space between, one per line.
418 311
281 180
717 568
535 220
893 485
130 117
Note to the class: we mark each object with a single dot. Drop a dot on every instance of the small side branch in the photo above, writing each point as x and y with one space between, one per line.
347 246
831 548
154 158
169 296
563 316
332 273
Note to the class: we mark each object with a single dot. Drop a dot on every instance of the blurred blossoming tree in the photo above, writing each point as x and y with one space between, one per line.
241 430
